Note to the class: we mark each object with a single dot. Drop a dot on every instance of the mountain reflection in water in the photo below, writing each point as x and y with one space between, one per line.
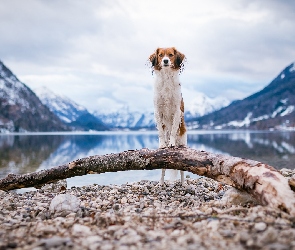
24 153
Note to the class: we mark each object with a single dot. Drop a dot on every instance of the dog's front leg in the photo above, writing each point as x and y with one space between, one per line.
161 131
174 129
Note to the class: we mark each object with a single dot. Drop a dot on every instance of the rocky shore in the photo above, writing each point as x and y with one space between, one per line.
203 214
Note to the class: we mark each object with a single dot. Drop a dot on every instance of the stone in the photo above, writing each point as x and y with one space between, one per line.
79 230
236 197
54 242
260 226
64 204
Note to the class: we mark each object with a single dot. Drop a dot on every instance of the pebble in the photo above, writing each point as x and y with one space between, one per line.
64 204
80 230
260 226
237 197
140 215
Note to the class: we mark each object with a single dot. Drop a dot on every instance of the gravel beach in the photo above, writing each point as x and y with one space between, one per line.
203 214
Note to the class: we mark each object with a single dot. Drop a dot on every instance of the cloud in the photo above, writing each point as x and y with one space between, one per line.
95 52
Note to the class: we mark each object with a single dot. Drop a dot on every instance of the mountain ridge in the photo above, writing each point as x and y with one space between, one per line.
270 108
122 118
20 108
73 114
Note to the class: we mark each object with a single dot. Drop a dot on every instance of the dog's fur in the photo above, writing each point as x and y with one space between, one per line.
168 102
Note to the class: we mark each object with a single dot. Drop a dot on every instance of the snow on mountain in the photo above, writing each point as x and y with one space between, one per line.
271 108
126 118
10 87
135 119
69 111
20 109
66 109
202 105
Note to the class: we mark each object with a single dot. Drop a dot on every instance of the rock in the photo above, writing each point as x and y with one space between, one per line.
64 204
55 187
124 200
2 193
54 242
236 197
267 237
286 172
260 226
79 230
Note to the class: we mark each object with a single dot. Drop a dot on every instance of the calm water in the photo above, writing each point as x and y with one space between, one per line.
23 153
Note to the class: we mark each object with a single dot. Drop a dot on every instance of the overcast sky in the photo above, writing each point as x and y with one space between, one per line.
95 52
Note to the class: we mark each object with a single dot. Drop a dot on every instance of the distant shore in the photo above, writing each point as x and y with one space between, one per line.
146 131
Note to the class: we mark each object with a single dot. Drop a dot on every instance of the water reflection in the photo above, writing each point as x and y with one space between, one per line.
27 153
79 146
274 148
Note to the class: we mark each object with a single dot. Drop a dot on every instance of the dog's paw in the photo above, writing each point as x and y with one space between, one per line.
161 183
172 142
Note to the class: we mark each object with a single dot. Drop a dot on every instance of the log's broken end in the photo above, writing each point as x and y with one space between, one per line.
268 186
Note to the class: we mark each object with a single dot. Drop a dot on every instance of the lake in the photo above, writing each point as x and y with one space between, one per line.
24 153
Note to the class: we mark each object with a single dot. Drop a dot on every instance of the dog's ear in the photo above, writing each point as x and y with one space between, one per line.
179 57
154 58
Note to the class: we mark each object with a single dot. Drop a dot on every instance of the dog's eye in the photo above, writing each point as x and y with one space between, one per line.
161 55
170 55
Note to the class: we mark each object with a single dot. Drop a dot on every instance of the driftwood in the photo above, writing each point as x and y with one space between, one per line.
262 181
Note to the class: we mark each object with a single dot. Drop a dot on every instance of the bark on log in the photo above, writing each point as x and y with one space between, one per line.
264 182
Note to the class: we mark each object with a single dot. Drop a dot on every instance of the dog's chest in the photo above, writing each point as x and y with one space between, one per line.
167 92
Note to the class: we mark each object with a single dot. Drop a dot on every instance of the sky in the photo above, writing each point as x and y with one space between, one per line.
95 52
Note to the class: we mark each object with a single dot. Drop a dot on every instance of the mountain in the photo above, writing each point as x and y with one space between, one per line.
69 111
66 109
138 119
271 108
21 110
202 105
124 118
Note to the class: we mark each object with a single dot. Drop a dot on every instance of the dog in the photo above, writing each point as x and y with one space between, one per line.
167 64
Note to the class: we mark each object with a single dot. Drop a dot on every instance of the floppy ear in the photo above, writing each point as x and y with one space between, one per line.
153 58
179 57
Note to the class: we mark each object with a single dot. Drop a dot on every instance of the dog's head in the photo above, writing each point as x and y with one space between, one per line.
167 58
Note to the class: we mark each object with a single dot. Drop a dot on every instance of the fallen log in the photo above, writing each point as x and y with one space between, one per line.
262 181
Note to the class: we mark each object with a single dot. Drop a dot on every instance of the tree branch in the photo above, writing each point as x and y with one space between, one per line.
264 182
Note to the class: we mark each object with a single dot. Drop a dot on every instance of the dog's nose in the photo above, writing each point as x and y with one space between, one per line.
165 61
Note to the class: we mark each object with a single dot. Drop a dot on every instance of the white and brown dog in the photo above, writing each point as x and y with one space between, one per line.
167 64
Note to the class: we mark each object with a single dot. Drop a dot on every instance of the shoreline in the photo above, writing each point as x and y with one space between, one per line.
203 214
152 132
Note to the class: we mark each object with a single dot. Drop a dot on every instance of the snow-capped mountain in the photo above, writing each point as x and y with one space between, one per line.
125 118
137 119
202 105
66 109
21 110
271 108
69 111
